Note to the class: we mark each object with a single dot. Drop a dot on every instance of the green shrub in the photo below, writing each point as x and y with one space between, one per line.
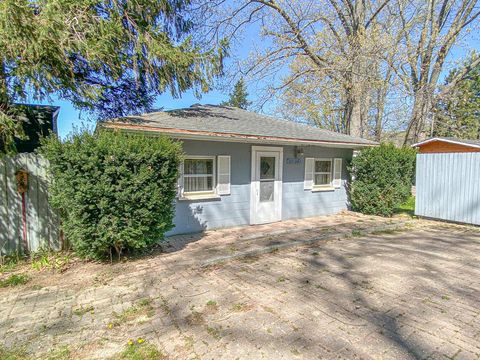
382 179
14 280
115 191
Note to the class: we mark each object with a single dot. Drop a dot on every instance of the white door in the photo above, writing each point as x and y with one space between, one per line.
266 184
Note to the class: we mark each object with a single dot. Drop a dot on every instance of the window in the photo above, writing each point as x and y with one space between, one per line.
199 174
322 172
267 178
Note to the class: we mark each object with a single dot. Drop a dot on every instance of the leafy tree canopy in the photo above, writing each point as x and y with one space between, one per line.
458 115
239 96
108 57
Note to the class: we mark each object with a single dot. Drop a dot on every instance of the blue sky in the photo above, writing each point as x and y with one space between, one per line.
69 117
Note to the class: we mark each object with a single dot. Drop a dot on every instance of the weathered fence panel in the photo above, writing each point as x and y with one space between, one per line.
42 222
448 187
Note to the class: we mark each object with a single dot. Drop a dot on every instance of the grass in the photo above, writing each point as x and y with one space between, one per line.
407 208
13 354
195 318
143 308
14 280
40 260
241 307
214 332
52 260
211 307
83 310
357 233
62 353
139 350
10 262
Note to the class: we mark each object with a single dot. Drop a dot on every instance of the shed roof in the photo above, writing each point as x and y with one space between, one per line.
232 124
451 140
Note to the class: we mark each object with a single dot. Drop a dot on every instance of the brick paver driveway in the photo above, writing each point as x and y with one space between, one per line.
412 293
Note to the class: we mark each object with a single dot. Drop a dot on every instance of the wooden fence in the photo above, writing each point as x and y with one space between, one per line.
41 228
448 187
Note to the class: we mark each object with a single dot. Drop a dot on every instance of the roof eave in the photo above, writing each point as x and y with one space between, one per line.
231 137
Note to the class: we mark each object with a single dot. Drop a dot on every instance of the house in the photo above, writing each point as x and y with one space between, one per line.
244 168
37 121
448 180
447 145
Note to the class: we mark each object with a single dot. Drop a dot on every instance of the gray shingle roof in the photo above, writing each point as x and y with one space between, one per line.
233 121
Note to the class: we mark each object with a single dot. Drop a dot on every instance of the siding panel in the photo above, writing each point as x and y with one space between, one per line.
448 187
234 209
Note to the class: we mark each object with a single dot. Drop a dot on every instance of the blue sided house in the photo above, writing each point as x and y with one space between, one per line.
244 168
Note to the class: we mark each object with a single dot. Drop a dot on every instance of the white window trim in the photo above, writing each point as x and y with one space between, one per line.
323 187
187 195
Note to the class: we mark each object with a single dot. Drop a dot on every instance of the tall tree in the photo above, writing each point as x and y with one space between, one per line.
239 96
361 67
109 57
458 114
329 38
431 28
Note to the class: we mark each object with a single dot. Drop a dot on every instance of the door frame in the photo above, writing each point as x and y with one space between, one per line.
278 183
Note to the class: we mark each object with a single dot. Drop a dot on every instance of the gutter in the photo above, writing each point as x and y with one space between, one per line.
233 137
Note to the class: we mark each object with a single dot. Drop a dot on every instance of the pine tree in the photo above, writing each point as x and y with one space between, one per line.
108 57
458 115
239 96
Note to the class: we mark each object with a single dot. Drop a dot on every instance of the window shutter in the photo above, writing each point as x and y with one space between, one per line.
223 175
308 181
180 181
337 173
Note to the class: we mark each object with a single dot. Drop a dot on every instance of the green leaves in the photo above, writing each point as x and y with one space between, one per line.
239 96
108 57
382 179
115 191
458 115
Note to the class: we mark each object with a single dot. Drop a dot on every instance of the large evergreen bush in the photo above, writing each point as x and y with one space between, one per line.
381 179
115 192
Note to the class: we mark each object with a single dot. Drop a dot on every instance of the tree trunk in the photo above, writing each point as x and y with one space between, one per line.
356 128
417 120
355 115
352 114
379 116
